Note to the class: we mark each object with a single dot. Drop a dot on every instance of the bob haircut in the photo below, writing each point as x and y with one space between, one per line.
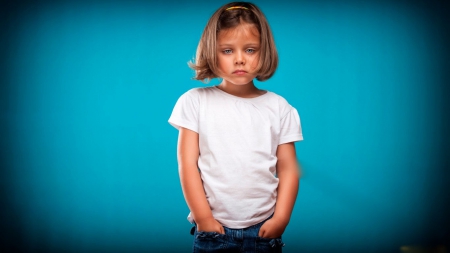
205 65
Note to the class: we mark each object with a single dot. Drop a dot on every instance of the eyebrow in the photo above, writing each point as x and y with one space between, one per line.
245 45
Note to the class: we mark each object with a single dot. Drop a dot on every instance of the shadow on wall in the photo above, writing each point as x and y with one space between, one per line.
419 249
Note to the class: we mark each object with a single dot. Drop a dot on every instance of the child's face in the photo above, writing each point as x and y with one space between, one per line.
238 53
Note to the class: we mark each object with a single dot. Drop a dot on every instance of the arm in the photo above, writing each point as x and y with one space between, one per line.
191 182
288 175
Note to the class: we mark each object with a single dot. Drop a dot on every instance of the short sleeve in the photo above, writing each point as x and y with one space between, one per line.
291 129
185 112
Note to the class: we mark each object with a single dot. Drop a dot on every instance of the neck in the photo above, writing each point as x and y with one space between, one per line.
246 91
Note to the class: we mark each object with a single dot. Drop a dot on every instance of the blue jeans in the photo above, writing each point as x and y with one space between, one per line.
243 240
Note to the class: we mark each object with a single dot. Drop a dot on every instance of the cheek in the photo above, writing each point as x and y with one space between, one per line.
220 65
225 63
221 62
254 61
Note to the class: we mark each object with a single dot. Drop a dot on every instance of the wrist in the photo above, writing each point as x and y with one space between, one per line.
201 220
281 219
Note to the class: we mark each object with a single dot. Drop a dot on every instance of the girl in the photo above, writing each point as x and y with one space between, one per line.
236 153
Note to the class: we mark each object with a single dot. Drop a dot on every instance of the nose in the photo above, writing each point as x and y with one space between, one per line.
239 60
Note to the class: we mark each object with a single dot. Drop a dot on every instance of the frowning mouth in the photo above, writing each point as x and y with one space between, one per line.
239 72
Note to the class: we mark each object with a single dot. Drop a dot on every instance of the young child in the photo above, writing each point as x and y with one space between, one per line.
236 153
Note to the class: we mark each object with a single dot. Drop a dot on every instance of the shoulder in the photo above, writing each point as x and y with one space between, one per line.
195 96
283 105
199 91
277 97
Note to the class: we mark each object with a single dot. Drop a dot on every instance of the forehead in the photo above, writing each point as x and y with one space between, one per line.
244 32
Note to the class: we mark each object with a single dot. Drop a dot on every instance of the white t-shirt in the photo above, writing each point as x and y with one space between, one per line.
238 140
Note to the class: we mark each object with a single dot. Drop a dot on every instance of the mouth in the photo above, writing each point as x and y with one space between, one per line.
239 72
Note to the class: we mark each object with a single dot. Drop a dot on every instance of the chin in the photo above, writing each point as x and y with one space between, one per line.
240 81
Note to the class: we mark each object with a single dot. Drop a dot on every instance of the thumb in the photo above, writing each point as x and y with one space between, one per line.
261 231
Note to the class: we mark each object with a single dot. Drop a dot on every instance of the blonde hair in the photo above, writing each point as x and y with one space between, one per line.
225 17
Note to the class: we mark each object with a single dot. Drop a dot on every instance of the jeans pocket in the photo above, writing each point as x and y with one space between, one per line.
209 242
272 245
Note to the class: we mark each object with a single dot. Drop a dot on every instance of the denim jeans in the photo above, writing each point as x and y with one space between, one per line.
243 240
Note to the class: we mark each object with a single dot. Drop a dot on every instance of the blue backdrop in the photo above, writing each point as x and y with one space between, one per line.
89 160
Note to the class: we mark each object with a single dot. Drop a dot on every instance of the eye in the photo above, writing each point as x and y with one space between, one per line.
250 50
227 51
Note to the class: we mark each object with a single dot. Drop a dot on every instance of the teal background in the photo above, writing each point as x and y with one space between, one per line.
88 160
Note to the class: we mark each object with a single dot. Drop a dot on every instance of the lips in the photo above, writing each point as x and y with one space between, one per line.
239 72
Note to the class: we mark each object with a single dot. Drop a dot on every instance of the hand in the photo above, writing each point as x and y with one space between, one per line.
210 225
272 228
